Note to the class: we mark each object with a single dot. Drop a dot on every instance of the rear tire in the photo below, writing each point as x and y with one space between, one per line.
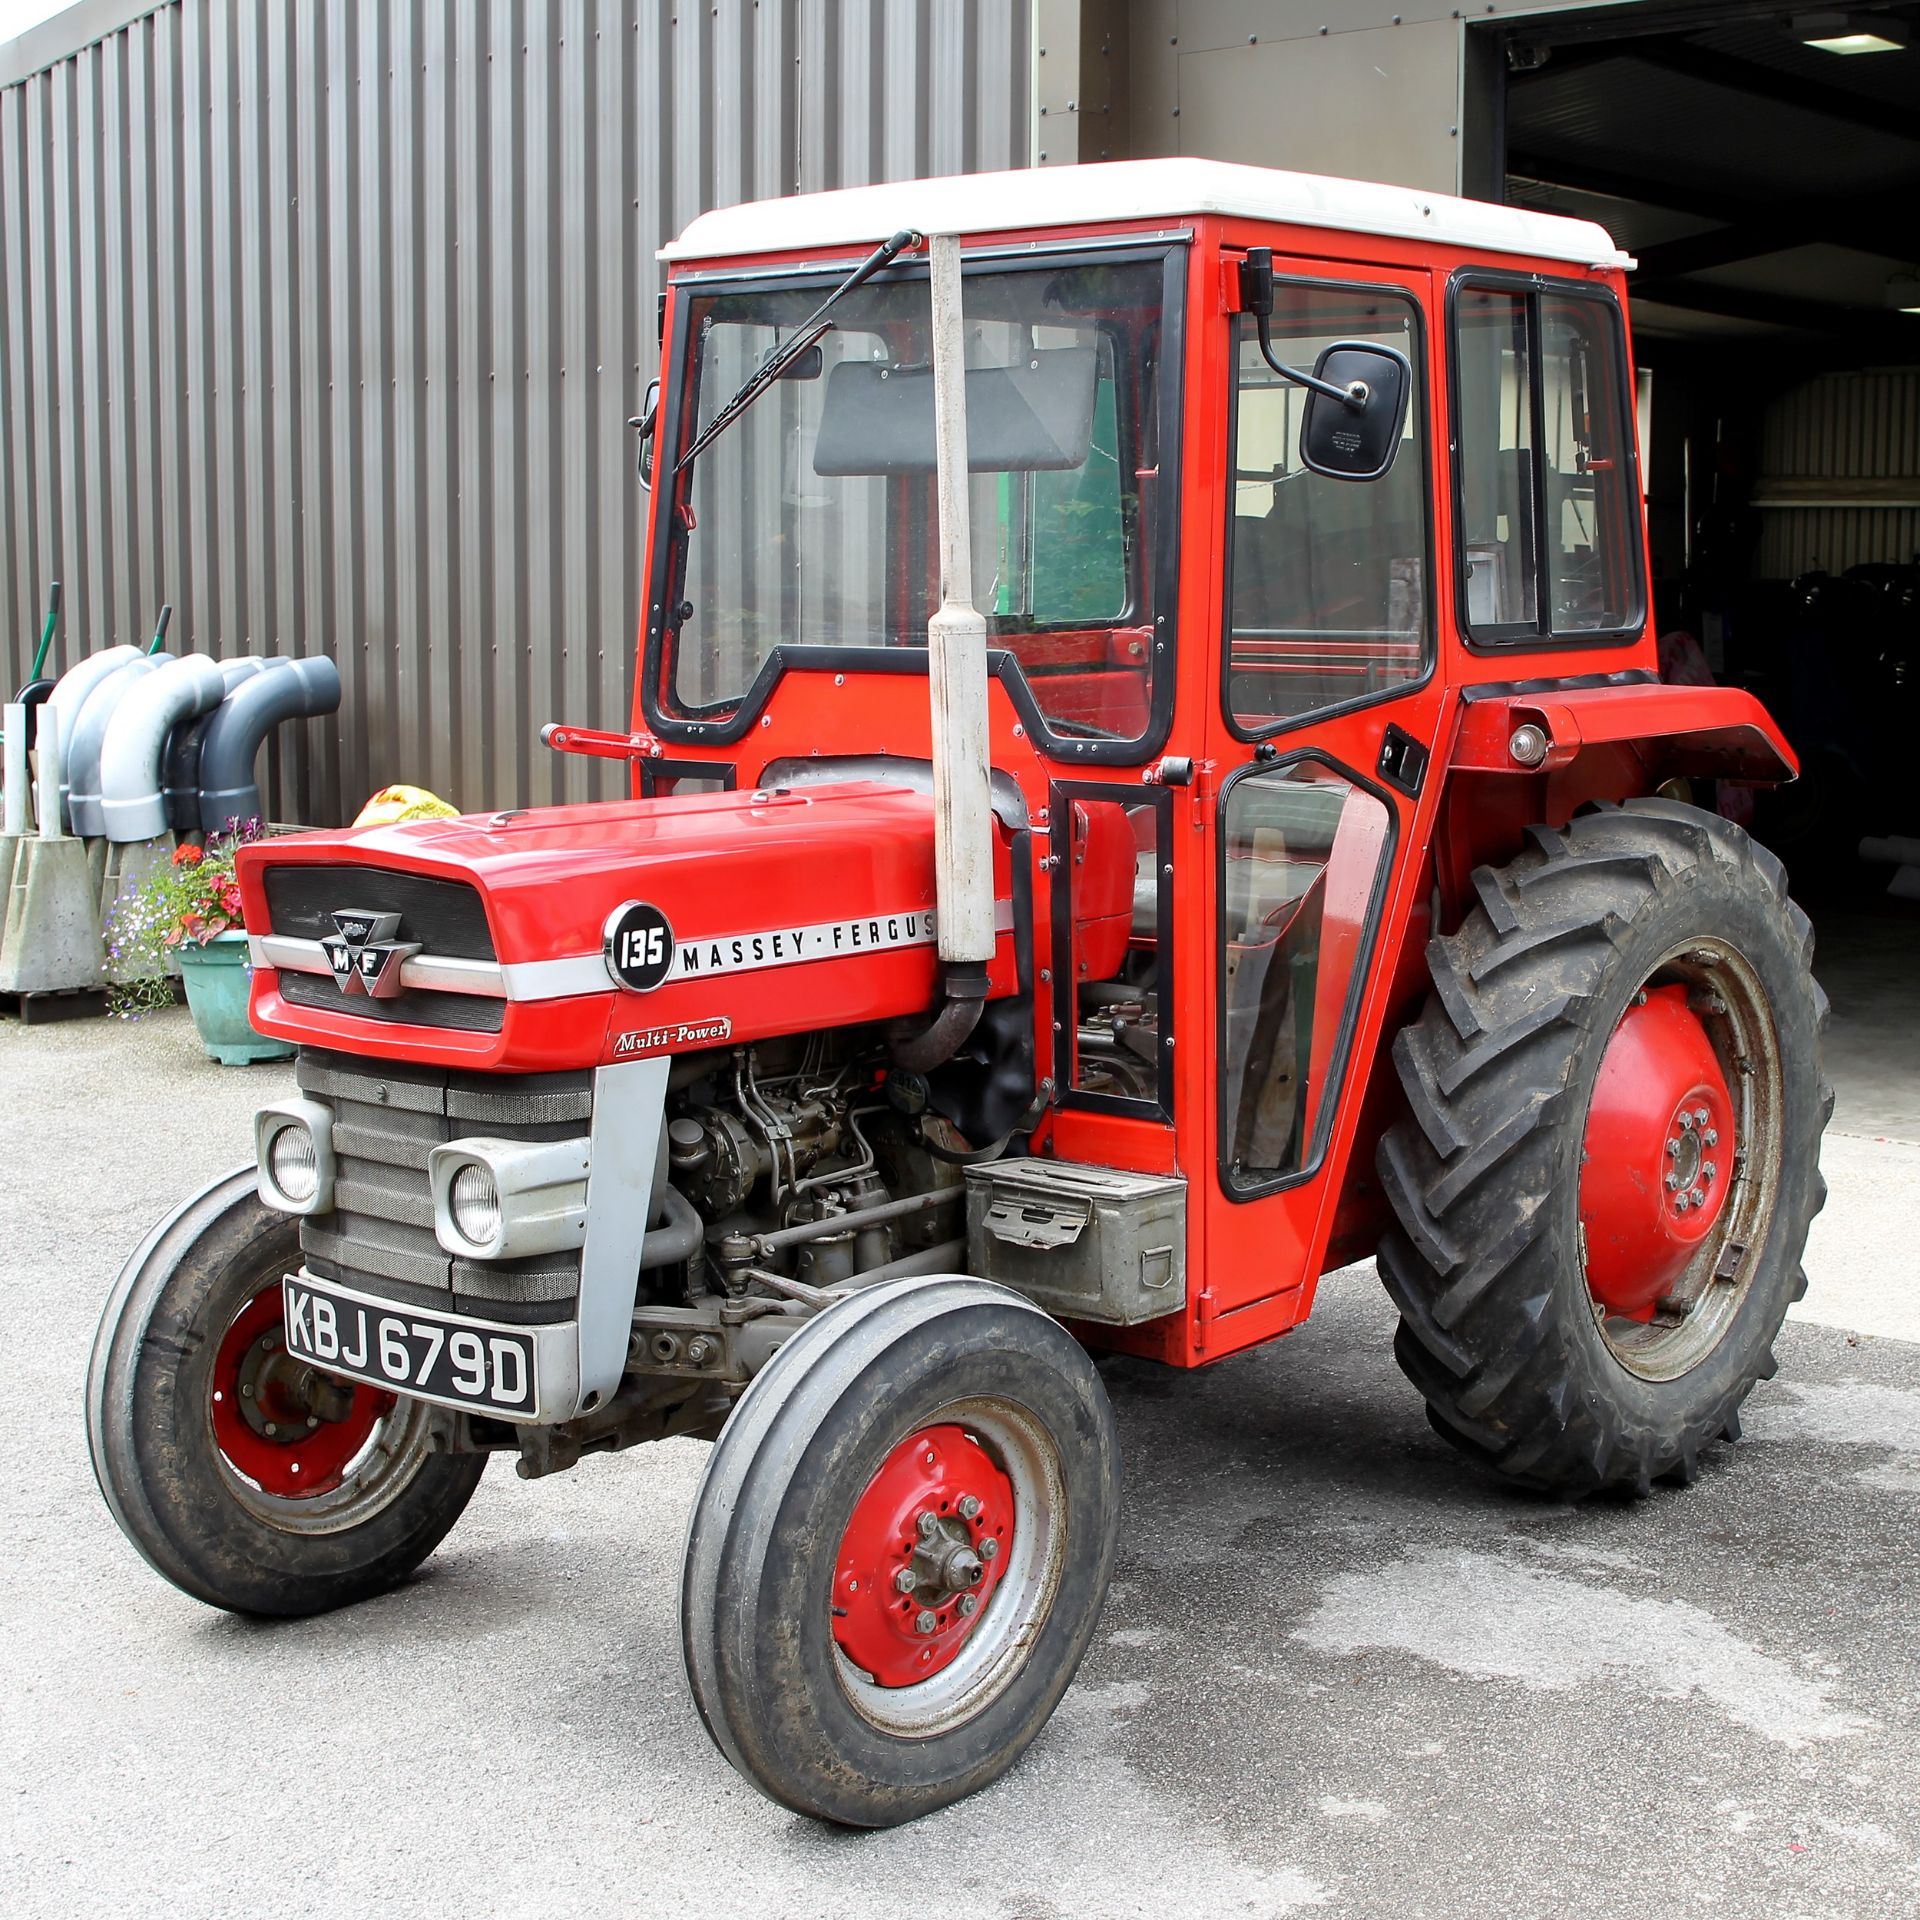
1536 1353
212 1494
836 1660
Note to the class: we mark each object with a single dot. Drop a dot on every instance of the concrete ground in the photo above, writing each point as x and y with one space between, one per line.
1339 1670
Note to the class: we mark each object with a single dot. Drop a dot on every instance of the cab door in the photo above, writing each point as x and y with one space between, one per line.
1324 720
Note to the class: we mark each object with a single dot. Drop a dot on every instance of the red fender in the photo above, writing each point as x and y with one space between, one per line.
1714 731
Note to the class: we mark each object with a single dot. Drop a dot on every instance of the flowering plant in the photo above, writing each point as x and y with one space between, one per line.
193 899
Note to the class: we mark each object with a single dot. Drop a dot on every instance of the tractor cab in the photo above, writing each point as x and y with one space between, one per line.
1148 782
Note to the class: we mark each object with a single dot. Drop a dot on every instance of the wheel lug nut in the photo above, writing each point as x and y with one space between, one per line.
1711 1136
313 1420
925 1621
989 1547
1673 1182
247 1391
1683 1203
1699 1116
1686 1119
969 1506
271 1429
1708 1171
927 1523
1673 1148
1699 1198
904 1580
969 1604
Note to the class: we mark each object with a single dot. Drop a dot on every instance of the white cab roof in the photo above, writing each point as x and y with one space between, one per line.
973 203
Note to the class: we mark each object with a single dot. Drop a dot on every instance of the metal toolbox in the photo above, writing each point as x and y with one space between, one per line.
1086 1243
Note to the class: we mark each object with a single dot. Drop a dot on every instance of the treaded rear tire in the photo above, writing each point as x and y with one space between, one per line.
1497 1325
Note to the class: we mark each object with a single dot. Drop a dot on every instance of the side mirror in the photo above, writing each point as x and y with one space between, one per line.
643 423
1356 436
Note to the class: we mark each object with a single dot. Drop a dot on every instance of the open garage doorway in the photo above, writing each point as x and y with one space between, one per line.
1763 164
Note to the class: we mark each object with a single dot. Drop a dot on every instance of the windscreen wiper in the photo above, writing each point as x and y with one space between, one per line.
809 334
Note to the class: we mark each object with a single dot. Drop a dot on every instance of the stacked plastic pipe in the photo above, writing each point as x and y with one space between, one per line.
134 750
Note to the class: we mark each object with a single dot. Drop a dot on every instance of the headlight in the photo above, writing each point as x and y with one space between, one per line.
293 1163
474 1204
509 1199
293 1156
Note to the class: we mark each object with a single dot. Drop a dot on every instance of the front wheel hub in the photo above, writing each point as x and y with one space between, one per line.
923 1550
283 1424
1658 1157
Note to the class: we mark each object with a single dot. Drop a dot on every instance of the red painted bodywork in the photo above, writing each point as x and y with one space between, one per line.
722 867
1252 1263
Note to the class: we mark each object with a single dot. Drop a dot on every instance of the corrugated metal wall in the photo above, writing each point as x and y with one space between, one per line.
322 319
1840 479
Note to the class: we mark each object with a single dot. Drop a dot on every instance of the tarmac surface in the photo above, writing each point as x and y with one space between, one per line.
1339 1672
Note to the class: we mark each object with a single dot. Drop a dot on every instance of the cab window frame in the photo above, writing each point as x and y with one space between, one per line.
1068 1096
1538 635
1431 424
728 723
1315 1149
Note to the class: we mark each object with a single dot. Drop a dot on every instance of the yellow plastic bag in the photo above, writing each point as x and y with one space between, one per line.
392 805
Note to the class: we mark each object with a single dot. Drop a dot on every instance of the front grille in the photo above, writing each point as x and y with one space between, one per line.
447 917
466 1012
387 1118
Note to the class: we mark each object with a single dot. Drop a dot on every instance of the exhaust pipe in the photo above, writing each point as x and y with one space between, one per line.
957 687
131 804
90 736
70 693
180 785
290 690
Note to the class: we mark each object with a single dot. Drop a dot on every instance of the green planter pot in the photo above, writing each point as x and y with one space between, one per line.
218 981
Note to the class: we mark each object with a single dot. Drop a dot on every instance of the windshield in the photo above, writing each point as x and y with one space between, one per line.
811 522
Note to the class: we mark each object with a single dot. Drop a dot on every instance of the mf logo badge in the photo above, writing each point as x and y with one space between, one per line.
364 955
638 942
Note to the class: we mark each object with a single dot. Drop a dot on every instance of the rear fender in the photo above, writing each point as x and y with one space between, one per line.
1716 732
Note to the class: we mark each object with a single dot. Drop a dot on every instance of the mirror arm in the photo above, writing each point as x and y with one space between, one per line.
1256 298
1354 396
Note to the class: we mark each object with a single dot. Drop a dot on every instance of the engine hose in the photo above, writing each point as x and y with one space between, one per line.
964 1156
678 1239
936 1044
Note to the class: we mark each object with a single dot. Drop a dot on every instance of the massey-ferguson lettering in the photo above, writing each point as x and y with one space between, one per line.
1148 782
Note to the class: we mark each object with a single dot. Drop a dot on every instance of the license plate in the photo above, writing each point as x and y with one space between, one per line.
413 1350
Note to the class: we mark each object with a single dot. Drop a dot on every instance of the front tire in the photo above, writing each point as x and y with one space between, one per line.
1610 1160
250 1481
899 1550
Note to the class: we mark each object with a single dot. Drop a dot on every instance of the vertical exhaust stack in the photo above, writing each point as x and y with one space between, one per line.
957 686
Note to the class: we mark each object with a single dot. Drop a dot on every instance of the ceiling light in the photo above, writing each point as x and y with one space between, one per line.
1903 291
1850 33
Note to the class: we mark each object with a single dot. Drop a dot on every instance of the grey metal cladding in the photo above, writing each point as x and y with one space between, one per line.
323 320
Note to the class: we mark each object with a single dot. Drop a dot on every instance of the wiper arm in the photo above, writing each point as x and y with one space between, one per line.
811 332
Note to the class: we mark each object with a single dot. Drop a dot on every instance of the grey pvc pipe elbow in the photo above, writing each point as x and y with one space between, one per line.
180 783
292 690
89 736
131 806
71 692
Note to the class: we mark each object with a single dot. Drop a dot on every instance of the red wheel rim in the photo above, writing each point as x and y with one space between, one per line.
923 1551
1658 1160
289 1428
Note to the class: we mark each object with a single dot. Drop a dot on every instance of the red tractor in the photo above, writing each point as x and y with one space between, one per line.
1149 783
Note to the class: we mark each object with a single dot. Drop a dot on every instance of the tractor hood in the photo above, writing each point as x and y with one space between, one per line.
561 937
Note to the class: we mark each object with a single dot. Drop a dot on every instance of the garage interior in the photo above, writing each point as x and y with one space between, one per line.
1763 165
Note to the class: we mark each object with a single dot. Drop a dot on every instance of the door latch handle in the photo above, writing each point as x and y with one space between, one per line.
1403 761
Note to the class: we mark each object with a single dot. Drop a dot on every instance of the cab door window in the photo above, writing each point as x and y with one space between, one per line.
1303 853
1548 511
1327 578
